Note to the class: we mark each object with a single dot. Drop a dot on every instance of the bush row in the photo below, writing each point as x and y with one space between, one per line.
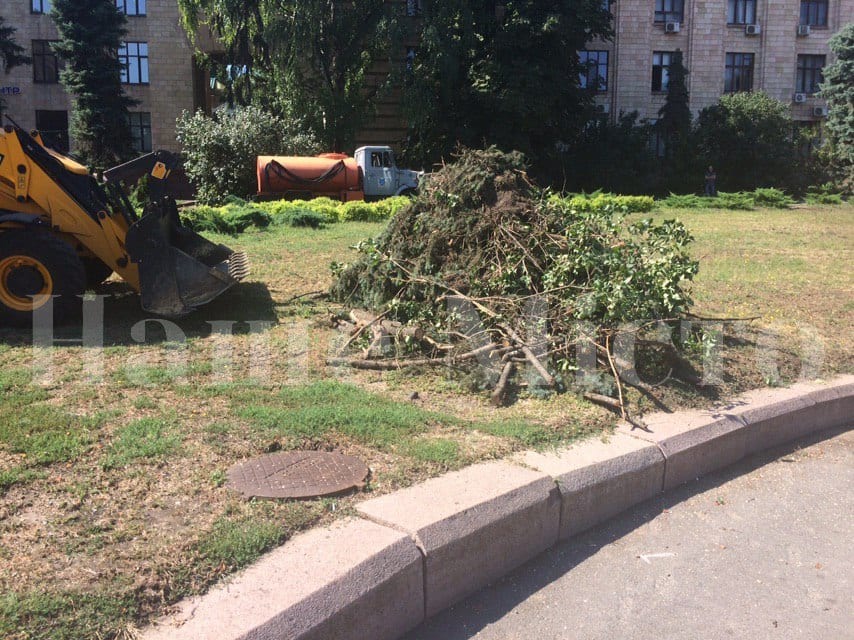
236 215
743 200
597 201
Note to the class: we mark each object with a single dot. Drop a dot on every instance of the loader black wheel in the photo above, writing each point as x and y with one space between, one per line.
96 272
35 264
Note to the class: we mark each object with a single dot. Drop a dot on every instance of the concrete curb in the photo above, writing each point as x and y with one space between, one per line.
424 548
354 579
472 526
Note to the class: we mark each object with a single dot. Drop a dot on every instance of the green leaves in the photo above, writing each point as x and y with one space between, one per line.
838 90
506 75
90 33
11 53
308 59
747 137
480 228
220 150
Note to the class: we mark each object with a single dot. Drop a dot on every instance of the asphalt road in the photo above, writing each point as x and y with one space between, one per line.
764 549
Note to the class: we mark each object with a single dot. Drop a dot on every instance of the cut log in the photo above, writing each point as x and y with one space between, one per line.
500 392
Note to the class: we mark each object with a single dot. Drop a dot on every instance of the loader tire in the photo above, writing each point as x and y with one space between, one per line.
35 263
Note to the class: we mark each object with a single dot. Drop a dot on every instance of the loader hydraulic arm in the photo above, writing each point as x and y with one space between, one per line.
58 221
157 165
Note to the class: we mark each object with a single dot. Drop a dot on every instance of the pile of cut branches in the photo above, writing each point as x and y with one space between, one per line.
493 272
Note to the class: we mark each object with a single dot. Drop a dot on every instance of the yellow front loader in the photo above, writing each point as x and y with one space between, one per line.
63 231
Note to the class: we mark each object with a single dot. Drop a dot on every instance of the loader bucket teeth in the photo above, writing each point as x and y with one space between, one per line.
179 270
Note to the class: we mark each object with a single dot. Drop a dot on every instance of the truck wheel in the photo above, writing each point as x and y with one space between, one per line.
35 264
96 272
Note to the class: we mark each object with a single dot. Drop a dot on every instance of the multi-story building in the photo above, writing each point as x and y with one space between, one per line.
159 72
776 46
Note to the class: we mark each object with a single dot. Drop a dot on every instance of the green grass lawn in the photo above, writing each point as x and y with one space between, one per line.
790 267
112 496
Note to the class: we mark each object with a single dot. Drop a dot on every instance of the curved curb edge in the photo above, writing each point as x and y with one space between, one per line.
417 551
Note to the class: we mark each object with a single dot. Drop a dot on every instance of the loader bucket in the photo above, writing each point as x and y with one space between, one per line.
178 269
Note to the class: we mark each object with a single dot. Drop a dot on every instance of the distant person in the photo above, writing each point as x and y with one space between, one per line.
711 177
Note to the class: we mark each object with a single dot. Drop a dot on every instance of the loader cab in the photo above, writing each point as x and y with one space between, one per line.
382 178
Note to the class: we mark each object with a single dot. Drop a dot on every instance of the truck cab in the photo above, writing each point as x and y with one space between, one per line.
382 178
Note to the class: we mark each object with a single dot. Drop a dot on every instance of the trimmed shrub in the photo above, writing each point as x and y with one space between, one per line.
359 211
230 219
236 215
686 201
598 201
301 216
741 200
220 150
772 198
823 194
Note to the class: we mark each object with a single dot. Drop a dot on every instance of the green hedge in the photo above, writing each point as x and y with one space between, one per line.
823 194
742 200
597 201
236 215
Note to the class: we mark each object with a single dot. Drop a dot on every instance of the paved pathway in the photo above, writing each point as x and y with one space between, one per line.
764 549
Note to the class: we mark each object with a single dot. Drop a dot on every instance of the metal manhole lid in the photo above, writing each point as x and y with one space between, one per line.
297 474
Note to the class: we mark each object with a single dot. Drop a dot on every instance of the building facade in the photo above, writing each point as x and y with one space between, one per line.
159 72
775 46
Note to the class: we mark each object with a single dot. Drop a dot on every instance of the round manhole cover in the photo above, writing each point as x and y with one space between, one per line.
297 474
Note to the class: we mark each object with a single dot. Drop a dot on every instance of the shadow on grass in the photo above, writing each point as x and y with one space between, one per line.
249 306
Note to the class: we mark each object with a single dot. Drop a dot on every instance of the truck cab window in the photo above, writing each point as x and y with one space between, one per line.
386 159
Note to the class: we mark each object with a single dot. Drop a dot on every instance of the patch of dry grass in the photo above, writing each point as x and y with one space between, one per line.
128 512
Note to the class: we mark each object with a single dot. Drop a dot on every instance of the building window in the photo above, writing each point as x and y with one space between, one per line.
134 59
53 125
46 64
741 12
661 70
594 72
140 131
809 73
739 72
669 10
814 13
413 7
131 7
40 6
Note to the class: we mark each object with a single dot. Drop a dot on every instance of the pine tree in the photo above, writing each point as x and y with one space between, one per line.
90 34
838 90
11 54
674 126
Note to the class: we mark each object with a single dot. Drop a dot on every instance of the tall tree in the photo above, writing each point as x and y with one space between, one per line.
748 138
501 73
90 33
307 59
674 127
838 90
11 53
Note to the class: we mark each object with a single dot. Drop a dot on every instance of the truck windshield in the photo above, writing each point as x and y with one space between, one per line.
381 159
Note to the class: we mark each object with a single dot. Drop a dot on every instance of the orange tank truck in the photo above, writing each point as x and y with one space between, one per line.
370 174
